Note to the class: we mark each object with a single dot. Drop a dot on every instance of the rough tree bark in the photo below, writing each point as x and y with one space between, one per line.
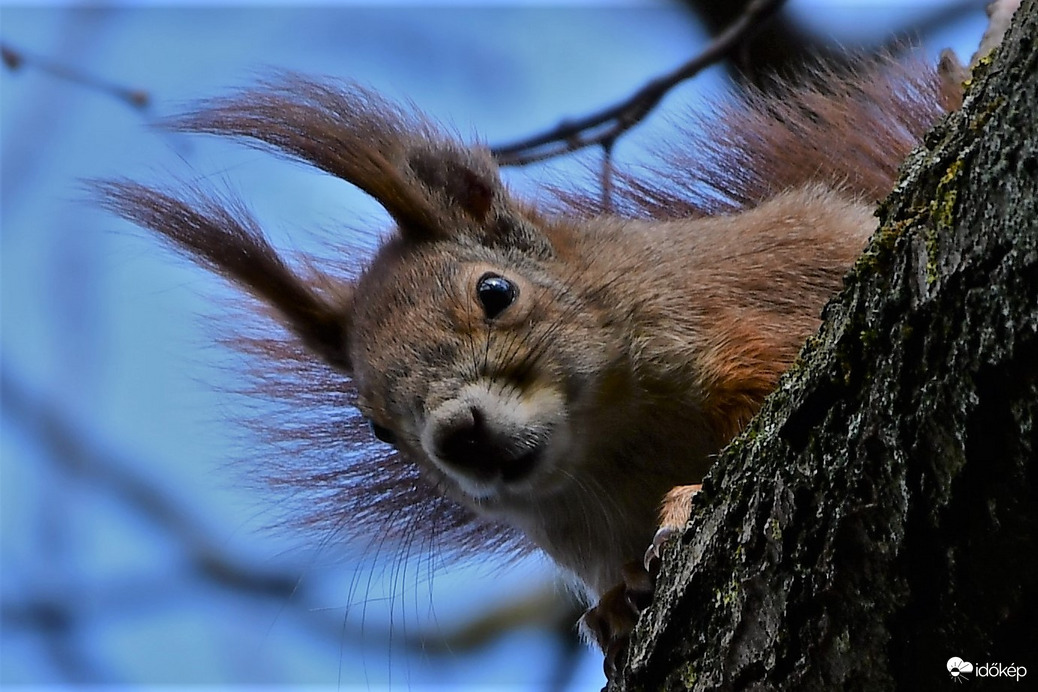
880 515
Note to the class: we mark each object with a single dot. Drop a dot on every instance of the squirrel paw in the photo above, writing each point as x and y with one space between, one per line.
674 515
677 507
612 620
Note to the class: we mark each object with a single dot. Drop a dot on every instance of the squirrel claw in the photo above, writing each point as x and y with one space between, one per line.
654 553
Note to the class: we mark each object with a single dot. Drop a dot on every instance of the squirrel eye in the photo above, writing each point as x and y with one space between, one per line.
495 294
384 434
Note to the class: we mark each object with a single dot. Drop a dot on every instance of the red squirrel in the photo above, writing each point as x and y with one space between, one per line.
547 373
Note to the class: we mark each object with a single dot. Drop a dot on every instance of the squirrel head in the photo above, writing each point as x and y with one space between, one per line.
457 360
469 350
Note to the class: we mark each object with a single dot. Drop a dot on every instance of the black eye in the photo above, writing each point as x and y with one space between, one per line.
384 434
495 294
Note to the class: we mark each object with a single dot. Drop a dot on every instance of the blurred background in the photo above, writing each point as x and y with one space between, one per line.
133 552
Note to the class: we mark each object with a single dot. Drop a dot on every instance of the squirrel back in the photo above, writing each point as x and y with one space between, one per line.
847 126
544 374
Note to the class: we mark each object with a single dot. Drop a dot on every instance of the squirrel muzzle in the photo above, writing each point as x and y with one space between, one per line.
495 437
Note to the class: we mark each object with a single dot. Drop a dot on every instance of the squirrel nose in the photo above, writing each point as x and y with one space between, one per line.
469 445
464 442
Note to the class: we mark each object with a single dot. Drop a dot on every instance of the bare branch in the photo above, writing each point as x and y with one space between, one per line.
15 60
605 126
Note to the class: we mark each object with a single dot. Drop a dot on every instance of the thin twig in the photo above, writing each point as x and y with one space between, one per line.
608 124
607 175
15 60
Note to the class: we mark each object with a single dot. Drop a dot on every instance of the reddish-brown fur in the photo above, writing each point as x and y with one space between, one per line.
638 343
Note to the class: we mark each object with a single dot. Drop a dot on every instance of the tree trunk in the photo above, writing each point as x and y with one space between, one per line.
880 515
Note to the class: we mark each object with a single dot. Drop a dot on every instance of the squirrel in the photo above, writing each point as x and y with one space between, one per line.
550 374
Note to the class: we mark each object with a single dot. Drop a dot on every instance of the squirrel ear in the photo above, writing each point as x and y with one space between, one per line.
223 237
446 173
466 188
434 187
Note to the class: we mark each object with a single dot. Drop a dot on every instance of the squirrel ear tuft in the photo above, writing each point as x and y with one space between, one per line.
223 237
433 187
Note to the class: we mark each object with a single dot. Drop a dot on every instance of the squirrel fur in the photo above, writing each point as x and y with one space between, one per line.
546 373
